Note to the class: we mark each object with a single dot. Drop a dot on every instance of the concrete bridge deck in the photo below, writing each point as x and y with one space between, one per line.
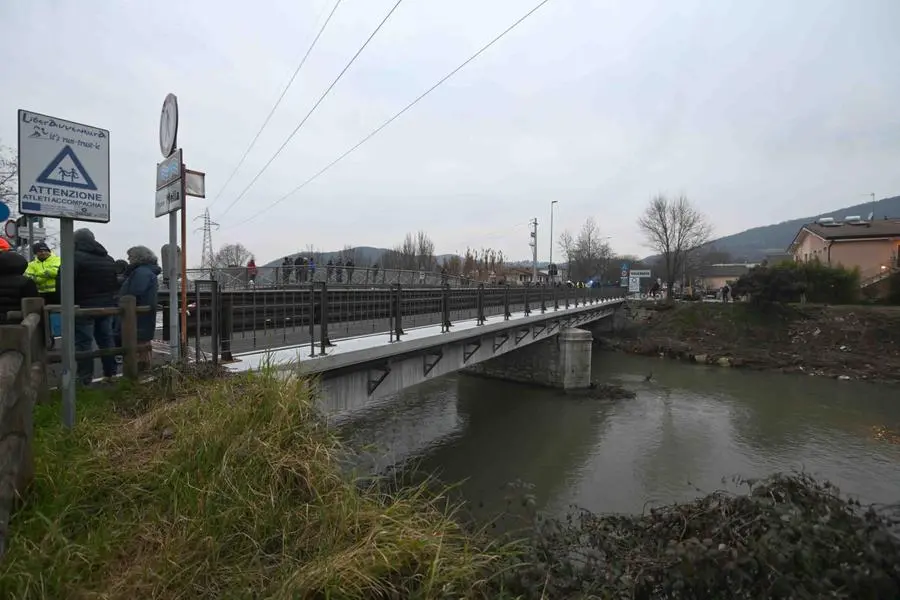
357 369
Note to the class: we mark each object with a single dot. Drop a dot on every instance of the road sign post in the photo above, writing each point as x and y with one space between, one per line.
63 174
173 184
169 200
30 238
184 283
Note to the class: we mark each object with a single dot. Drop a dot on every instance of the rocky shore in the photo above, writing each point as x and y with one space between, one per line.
843 342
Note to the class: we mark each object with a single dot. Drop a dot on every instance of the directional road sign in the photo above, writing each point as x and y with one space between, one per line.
169 198
169 189
63 169
634 284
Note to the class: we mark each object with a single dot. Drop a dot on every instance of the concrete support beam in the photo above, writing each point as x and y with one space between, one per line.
574 364
562 361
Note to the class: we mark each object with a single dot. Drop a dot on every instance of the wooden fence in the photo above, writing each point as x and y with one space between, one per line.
23 382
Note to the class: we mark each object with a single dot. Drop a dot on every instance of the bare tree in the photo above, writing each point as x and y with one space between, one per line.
231 255
453 264
349 253
469 264
674 229
566 243
415 253
587 255
9 170
591 252
424 251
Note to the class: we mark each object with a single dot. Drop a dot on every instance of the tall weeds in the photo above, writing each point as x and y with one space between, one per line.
232 491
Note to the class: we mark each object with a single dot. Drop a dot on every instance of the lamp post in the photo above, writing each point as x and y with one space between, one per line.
549 266
552 203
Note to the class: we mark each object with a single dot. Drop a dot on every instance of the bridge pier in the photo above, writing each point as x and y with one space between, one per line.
563 361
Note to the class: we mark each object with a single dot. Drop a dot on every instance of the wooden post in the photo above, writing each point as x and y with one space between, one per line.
127 308
38 349
21 381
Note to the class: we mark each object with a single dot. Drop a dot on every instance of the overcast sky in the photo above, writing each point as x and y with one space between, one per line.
759 111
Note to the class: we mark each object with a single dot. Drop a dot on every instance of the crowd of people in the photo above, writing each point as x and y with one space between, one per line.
302 269
99 283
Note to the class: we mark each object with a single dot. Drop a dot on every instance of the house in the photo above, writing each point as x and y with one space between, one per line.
871 246
774 258
518 276
715 277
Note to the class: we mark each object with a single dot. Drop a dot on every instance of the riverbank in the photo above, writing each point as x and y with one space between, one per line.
227 488
233 488
843 342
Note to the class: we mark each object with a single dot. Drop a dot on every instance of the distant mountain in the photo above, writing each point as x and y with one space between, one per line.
754 244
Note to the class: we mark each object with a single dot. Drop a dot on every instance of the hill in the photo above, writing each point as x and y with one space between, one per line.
754 244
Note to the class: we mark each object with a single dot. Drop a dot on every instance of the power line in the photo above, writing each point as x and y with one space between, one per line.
277 102
316 105
398 115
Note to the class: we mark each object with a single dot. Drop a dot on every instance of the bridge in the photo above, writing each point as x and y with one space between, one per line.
367 343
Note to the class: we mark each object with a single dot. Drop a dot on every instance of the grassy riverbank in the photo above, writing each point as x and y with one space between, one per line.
858 342
232 490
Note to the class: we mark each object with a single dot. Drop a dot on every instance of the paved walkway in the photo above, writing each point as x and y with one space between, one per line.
281 337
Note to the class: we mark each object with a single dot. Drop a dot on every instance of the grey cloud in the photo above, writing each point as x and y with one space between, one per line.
757 111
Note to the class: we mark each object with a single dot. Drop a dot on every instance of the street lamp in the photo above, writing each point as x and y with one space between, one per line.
551 228
550 274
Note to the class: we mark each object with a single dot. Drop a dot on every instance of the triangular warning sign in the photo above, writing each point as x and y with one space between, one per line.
66 170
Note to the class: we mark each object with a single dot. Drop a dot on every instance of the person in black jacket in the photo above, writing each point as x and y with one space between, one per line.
96 284
14 285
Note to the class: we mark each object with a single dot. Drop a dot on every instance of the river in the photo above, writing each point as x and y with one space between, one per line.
688 428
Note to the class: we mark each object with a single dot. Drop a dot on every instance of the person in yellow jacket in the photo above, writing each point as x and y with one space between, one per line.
44 269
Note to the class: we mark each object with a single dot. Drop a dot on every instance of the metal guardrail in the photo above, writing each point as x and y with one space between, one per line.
226 322
234 278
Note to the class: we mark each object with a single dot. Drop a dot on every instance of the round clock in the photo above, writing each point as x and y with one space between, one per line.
168 126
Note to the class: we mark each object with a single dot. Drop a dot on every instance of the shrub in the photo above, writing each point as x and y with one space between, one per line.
894 289
787 537
791 281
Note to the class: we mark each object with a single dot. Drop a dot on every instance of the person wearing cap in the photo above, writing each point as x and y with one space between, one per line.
14 285
44 269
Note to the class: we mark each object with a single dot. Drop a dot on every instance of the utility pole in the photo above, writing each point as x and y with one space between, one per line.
873 206
533 244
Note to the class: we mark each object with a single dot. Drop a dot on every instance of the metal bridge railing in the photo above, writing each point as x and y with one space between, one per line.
223 322
236 278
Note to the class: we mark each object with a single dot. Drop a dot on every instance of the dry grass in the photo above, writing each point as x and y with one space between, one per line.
233 491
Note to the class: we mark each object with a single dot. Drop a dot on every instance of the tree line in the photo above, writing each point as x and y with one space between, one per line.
672 227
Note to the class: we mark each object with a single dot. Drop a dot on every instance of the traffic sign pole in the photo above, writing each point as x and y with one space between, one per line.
172 270
30 238
67 299
184 283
